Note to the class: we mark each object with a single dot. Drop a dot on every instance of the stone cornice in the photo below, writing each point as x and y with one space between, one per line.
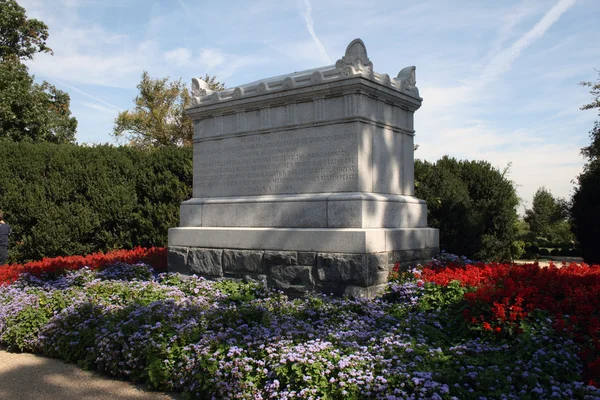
352 69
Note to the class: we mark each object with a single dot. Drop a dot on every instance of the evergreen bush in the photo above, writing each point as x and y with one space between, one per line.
544 252
66 199
473 205
585 212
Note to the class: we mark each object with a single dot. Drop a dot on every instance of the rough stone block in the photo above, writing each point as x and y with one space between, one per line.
177 260
205 262
281 258
407 255
364 292
243 261
350 269
286 277
307 258
378 261
339 267
255 278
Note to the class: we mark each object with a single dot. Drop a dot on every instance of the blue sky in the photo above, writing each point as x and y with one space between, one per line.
498 78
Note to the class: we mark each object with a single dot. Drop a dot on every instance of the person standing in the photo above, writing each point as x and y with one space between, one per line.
4 232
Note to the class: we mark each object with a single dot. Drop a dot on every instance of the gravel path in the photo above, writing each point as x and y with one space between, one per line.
32 377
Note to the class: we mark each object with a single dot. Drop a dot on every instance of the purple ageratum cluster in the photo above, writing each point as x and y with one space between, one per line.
241 341
444 259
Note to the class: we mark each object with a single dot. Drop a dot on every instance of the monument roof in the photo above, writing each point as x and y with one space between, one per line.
355 63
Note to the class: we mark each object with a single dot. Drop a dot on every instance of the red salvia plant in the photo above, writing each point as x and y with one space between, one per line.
156 257
507 294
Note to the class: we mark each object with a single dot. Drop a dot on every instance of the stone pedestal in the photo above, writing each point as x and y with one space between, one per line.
306 180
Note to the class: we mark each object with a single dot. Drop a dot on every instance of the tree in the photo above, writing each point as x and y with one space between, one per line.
585 208
546 214
20 37
472 204
158 118
28 111
592 152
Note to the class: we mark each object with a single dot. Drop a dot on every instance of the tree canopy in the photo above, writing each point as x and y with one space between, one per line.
585 209
472 204
547 217
20 37
592 152
158 118
28 111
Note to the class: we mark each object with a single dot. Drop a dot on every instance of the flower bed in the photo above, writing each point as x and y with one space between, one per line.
154 256
241 340
506 298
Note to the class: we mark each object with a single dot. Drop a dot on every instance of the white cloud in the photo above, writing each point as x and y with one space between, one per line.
98 107
212 58
178 57
301 51
306 13
503 62
97 99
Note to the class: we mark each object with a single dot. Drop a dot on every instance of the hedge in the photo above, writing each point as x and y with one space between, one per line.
63 200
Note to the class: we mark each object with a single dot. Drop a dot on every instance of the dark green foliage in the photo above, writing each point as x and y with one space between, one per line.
555 252
472 204
544 252
575 253
30 111
547 217
585 203
66 200
20 37
585 213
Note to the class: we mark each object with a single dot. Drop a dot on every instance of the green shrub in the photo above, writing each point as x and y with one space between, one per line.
555 252
574 253
472 204
529 255
564 252
544 252
65 199
585 212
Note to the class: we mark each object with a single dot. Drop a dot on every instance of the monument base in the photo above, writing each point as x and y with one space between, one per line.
348 261
315 210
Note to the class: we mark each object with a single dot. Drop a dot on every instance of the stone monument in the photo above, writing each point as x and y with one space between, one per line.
305 180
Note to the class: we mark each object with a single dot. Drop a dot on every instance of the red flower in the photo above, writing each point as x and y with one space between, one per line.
153 256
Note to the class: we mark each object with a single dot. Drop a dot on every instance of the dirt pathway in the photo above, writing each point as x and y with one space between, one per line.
32 377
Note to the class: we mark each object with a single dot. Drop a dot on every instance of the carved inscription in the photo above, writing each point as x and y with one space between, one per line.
300 161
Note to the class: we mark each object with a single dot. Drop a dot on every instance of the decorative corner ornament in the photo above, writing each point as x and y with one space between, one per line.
200 88
407 80
356 57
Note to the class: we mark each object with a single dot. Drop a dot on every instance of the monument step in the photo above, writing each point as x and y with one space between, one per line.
335 240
